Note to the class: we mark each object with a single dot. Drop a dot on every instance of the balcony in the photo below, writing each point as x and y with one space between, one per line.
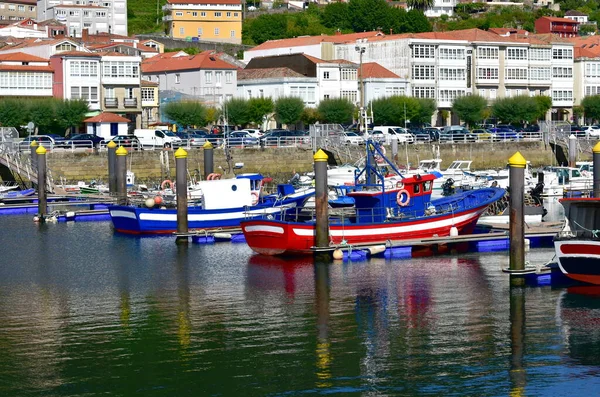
567 28
130 102
111 103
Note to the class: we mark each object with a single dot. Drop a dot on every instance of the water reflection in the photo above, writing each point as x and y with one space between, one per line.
578 316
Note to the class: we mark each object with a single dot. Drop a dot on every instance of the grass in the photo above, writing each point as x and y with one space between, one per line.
141 16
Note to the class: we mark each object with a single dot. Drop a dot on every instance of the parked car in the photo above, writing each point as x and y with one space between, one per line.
45 140
387 134
457 135
82 140
484 134
129 142
506 134
253 132
280 137
421 135
434 133
579 131
592 131
192 138
351 138
241 138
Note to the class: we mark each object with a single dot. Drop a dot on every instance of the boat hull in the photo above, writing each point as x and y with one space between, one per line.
579 259
271 237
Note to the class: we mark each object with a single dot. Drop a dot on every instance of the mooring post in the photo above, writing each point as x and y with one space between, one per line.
517 375
121 170
517 165
112 165
572 150
181 189
596 165
321 200
33 147
41 182
209 166
395 151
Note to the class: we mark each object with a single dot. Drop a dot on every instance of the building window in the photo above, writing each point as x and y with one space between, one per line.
325 75
216 31
217 14
232 33
562 95
148 94
516 53
235 14
228 15
308 94
181 31
592 69
487 73
218 77
349 74
130 93
326 96
65 47
452 74
109 93
74 92
179 14
249 94
539 73
423 92
592 90
540 54
93 94
117 69
195 14
202 14
391 91
261 93
562 73
562 53
31 8
22 8
423 72
208 77
177 78
423 51
452 53
515 74
450 95
228 77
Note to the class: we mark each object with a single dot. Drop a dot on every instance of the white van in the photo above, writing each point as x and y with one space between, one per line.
157 138
387 134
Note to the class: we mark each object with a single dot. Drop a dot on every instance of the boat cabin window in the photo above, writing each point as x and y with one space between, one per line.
417 188
427 186
575 173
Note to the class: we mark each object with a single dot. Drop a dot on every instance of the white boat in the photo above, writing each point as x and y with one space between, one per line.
570 180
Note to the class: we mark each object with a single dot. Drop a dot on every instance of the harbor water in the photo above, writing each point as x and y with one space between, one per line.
85 312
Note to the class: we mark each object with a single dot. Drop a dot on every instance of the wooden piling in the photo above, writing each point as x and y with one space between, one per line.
572 150
121 171
517 165
112 165
321 200
41 182
181 189
209 166
33 147
596 164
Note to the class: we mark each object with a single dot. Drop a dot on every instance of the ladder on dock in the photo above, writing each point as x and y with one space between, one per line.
17 162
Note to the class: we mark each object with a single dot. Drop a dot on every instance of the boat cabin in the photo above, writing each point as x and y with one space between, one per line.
409 198
583 216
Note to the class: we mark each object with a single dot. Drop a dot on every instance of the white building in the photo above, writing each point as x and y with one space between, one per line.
577 16
95 15
43 48
78 77
441 7
25 75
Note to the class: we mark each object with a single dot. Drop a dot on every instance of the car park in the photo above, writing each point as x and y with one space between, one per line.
82 141
455 135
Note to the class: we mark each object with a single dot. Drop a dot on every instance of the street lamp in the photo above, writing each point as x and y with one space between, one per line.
361 48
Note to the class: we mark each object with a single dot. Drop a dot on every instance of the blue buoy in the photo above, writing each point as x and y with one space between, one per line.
203 239
492 245
398 253
355 255
238 238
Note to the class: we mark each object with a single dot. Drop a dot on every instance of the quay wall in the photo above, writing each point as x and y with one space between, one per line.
280 163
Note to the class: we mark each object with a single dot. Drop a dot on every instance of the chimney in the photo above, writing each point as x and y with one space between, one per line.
338 32
85 35
391 31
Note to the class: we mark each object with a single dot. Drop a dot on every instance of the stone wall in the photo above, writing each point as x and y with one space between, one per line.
152 166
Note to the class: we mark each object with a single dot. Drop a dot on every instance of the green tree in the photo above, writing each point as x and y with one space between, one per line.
421 5
43 113
337 110
336 16
367 15
237 111
516 109
186 113
288 110
417 21
395 110
470 108
13 113
426 108
591 105
544 103
310 116
258 108
71 113
267 27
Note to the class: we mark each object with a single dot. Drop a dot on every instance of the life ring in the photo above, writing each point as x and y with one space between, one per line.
399 185
254 198
382 149
213 177
403 198
164 184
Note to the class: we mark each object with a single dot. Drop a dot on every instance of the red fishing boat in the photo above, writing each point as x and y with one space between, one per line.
402 212
577 246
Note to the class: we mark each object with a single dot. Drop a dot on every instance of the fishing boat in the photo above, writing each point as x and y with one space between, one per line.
17 193
224 204
401 212
577 245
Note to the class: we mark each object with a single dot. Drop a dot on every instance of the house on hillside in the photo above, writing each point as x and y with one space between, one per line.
562 27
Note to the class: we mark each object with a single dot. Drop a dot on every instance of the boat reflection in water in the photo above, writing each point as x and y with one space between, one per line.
578 316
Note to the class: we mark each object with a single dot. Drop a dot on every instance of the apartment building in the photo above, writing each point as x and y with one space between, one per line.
77 76
26 28
97 16
18 10
149 103
562 27
25 75
441 7
203 76
212 20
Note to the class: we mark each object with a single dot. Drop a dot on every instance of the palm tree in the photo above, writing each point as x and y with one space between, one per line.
420 5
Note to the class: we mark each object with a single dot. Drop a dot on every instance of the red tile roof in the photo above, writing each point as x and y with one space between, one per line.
204 60
204 1
21 57
312 40
148 83
375 71
557 19
26 68
76 54
107 117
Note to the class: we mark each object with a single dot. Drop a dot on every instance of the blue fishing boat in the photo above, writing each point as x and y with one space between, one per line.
223 203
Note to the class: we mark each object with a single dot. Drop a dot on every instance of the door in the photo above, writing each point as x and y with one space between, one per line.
114 129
